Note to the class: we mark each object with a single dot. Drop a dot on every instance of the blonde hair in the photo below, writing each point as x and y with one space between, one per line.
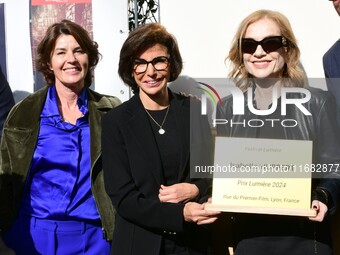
292 68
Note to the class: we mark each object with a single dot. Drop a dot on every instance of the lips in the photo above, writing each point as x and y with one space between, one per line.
261 64
71 69
153 83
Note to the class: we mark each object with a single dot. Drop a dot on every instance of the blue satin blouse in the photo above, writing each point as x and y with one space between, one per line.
58 185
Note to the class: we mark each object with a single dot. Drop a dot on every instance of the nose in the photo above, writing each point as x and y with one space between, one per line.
71 57
150 69
259 51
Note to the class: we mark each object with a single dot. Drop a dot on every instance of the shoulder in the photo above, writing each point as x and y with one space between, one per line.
184 99
102 100
321 101
28 110
227 102
333 51
124 111
319 95
32 100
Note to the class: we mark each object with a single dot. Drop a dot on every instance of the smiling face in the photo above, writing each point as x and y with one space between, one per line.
152 83
69 62
261 64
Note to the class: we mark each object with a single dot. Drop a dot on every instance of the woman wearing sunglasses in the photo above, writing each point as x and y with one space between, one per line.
146 147
264 57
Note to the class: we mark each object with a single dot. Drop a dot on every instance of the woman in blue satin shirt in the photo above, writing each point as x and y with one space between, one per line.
51 177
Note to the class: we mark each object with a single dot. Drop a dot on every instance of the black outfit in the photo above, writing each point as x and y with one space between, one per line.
137 160
6 100
272 234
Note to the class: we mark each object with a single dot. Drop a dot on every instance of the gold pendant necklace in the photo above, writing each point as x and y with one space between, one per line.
161 131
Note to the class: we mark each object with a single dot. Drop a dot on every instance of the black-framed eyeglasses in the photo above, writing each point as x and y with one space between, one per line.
268 44
159 63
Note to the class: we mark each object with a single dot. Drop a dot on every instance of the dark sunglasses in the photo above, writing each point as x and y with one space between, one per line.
159 63
268 44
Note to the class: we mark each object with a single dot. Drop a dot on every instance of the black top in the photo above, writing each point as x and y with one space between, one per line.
168 144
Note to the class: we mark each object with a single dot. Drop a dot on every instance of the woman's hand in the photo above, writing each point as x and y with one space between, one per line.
321 211
177 193
195 212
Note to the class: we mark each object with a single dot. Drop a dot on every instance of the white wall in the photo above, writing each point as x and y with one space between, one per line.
204 30
110 26
19 57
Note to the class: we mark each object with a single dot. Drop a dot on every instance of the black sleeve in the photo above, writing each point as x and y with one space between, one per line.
6 100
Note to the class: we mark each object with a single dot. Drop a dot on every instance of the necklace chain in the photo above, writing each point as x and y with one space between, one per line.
161 130
66 120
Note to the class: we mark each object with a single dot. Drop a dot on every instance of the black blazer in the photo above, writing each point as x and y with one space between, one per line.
6 100
133 175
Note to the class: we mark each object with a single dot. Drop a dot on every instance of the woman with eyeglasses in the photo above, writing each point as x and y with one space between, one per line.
264 58
147 148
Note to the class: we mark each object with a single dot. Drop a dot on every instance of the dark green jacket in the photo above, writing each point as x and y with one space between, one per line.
18 143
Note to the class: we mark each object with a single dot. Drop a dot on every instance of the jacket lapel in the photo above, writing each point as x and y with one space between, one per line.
139 128
95 131
182 116
98 106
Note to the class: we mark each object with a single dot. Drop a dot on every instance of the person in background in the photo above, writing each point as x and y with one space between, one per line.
331 65
6 100
6 103
52 196
148 152
264 57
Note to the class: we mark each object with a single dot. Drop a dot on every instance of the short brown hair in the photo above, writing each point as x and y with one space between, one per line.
47 45
139 40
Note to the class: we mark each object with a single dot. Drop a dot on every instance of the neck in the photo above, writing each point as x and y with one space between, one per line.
68 96
263 95
67 103
154 102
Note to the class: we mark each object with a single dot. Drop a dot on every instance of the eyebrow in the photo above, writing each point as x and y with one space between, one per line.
61 48
269 36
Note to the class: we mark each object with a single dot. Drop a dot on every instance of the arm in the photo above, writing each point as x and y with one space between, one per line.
179 192
142 207
194 212
327 149
7 182
6 100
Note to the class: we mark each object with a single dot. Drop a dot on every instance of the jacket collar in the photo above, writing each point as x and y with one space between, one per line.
31 107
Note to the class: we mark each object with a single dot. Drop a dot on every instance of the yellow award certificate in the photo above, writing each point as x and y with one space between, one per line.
267 176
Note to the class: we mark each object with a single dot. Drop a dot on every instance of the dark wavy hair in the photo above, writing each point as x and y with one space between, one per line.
47 44
141 39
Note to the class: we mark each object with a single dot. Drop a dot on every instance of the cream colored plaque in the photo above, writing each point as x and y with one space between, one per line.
266 176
